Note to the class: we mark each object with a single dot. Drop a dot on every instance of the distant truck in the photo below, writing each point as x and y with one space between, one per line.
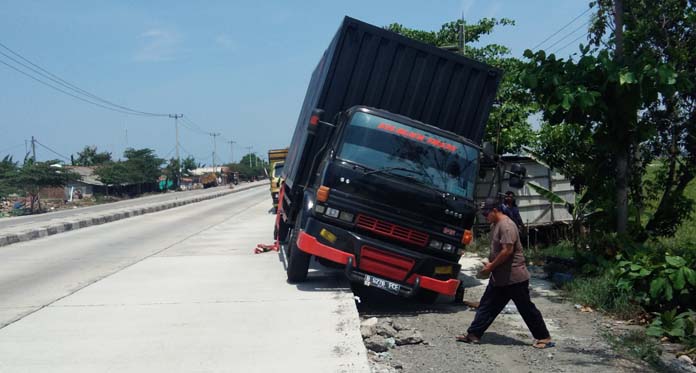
276 159
209 180
380 175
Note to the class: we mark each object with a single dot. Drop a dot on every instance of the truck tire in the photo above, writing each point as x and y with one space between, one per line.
298 260
426 296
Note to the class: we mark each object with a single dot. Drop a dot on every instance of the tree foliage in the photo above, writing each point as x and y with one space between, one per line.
32 176
508 125
8 169
141 166
89 156
610 115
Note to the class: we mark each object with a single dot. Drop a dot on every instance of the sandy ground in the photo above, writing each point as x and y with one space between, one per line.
506 347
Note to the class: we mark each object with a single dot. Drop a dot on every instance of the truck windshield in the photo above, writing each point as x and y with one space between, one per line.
395 148
278 169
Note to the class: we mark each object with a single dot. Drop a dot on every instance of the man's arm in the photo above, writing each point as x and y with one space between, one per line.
504 254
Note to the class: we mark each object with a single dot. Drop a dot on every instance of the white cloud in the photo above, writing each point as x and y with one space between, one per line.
157 45
225 41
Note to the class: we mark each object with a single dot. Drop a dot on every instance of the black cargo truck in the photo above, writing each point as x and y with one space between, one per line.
382 166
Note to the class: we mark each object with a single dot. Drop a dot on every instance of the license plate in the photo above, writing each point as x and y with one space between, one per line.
385 285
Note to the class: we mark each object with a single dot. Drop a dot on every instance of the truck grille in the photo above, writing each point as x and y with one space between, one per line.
385 264
391 230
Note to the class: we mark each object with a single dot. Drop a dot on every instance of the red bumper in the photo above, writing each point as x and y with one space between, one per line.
311 245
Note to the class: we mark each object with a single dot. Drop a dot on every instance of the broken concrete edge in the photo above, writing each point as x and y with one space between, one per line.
66 226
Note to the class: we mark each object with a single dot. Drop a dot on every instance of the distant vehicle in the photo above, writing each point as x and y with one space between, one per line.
380 175
209 180
276 157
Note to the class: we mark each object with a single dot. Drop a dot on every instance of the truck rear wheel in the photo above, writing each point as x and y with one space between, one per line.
298 260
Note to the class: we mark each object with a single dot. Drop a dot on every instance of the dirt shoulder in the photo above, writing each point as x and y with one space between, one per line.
506 347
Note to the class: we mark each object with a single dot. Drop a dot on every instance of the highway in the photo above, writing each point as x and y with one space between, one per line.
173 291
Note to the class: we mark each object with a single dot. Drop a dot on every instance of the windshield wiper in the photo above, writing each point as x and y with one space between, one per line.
386 169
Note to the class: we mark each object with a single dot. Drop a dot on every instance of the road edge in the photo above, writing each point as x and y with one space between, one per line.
98 219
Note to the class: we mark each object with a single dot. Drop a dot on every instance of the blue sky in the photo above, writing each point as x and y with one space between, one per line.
239 68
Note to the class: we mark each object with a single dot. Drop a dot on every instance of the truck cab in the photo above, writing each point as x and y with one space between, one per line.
392 202
276 178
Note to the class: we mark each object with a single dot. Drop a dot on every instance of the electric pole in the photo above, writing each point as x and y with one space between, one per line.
248 148
232 149
176 129
214 135
33 148
462 35
622 162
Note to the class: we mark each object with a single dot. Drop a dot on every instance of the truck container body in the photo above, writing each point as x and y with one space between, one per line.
381 169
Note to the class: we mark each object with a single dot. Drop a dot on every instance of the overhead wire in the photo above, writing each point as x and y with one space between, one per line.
51 150
585 24
65 92
571 42
562 28
62 82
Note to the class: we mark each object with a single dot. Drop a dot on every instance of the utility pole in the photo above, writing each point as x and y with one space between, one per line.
622 157
248 148
232 149
176 129
33 148
214 135
462 35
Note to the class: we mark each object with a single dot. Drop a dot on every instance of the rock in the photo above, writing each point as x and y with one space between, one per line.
385 330
368 331
408 337
376 343
371 321
399 326
510 309
391 342
686 359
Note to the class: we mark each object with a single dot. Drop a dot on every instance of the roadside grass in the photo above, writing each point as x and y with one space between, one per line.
600 293
536 255
637 344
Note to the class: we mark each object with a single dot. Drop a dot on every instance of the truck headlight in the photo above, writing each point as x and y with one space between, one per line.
448 248
346 216
332 212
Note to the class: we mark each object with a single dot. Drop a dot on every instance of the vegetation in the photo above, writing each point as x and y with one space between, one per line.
250 166
89 156
141 166
32 176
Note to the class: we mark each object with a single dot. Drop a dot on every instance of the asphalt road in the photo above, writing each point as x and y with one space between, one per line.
67 213
177 290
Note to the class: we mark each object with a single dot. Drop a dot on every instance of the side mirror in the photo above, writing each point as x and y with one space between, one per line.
518 173
314 120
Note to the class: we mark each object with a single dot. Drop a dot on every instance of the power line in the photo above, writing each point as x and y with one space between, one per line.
571 42
569 34
64 92
562 28
51 150
56 79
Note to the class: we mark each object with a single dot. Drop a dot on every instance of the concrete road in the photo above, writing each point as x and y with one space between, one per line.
68 213
178 290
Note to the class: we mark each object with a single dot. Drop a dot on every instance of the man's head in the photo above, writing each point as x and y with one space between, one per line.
491 209
509 198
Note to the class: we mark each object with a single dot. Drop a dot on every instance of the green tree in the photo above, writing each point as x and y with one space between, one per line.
8 170
143 166
33 176
89 156
113 174
599 96
188 164
508 125
173 171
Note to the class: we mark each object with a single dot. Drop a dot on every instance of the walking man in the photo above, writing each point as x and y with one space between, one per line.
509 280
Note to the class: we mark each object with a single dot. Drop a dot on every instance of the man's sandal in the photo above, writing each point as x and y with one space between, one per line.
541 344
467 339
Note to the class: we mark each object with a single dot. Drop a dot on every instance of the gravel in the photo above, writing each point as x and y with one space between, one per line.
506 347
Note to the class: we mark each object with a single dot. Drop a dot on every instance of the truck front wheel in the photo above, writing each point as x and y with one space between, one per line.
298 260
